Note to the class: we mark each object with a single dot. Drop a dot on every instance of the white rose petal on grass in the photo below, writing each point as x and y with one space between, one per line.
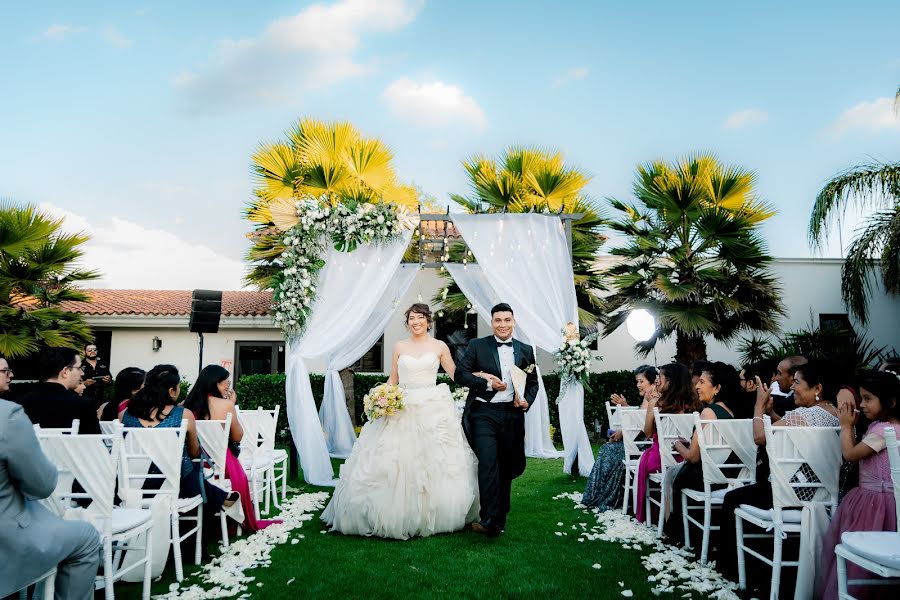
627 593
621 584
596 565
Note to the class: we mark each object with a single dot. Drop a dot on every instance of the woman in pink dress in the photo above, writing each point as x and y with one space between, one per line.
871 505
212 398
675 396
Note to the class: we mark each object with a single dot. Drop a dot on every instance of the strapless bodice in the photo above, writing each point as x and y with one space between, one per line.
417 372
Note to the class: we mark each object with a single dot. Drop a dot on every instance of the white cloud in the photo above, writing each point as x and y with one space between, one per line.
116 38
313 49
58 32
433 104
870 117
131 256
572 74
745 118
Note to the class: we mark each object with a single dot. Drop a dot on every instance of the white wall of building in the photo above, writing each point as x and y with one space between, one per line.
810 287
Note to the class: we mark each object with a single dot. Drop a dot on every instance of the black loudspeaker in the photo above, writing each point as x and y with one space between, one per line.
206 308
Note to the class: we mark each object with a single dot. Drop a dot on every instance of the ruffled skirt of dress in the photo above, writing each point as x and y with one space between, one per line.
409 474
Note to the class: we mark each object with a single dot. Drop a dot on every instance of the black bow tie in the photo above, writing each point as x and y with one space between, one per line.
499 343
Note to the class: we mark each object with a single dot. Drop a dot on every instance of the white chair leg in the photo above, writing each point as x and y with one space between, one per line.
148 564
707 524
626 492
776 563
284 479
647 517
661 519
108 569
742 568
49 586
176 546
843 588
224 521
198 547
685 526
254 491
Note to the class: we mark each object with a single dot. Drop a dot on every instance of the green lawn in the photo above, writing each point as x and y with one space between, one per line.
529 560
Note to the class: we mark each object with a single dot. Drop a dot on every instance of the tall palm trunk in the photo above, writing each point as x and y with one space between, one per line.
689 348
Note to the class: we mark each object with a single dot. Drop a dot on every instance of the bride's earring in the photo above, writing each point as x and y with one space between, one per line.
817 397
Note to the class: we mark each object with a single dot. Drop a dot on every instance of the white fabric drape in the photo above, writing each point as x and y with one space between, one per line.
526 260
350 285
333 413
472 282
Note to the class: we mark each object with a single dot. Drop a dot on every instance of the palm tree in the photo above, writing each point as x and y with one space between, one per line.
875 186
38 271
525 179
693 255
332 162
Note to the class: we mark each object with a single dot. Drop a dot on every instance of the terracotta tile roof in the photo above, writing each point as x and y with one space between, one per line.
167 303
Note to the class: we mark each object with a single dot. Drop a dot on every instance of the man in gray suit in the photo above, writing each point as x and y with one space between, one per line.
32 539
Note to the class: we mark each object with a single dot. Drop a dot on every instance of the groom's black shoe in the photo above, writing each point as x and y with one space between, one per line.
490 531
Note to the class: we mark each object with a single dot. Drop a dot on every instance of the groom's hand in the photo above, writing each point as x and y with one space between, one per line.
496 383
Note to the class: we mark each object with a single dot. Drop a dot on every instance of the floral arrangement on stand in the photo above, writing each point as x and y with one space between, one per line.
382 401
308 225
574 355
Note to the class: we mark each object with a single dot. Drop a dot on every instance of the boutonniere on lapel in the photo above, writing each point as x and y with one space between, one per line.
530 368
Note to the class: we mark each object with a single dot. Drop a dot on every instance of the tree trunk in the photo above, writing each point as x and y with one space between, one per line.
689 348
347 381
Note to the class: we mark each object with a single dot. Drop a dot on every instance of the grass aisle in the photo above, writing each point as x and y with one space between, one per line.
530 560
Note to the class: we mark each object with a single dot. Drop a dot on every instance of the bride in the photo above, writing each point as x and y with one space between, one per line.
411 473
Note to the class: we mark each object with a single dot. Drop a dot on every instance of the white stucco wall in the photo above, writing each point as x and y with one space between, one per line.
810 286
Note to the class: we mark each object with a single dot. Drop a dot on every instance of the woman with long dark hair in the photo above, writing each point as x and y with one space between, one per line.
674 385
128 382
156 405
212 398
604 485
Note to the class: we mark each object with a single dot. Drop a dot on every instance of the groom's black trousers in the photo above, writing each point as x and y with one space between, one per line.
497 435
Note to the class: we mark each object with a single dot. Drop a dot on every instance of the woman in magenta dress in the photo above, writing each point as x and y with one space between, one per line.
212 398
675 396
869 506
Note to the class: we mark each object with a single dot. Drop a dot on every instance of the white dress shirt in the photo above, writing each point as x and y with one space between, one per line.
506 363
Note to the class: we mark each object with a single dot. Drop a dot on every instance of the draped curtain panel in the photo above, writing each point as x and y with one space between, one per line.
333 413
525 259
350 286
472 282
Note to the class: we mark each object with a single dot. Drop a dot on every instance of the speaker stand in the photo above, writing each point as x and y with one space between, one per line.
200 367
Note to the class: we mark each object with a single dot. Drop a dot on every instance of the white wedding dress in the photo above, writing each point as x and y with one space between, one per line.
411 473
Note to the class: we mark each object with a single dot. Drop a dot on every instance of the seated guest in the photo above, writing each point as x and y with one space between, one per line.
719 391
128 382
52 403
871 505
814 394
782 381
156 405
604 485
697 368
32 539
212 398
673 383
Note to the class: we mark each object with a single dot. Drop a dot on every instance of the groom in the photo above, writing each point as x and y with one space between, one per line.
494 418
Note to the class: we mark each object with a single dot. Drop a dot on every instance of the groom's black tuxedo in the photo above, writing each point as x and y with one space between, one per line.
496 431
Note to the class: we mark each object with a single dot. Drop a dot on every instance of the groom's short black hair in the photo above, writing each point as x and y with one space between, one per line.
502 307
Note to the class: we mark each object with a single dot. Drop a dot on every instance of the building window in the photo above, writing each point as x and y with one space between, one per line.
258 358
373 360
839 321
456 331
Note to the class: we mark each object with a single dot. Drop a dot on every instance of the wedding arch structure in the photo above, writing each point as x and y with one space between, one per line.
521 258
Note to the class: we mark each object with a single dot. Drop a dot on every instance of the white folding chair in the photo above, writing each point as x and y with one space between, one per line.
632 429
93 460
875 551
718 438
256 455
214 436
279 472
163 447
669 428
804 463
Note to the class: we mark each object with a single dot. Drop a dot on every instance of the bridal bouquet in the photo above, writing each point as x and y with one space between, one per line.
383 400
574 355
459 398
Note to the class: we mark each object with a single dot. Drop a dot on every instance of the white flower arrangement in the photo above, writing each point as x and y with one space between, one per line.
346 226
574 355
460 395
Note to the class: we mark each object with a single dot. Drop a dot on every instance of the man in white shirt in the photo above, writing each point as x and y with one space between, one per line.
494 417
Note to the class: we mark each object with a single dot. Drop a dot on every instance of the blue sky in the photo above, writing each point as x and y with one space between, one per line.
137 120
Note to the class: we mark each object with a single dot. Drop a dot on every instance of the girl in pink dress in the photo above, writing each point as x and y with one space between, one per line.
871 505
675 396
211 397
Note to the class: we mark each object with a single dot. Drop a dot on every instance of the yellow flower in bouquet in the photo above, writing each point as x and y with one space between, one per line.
383 400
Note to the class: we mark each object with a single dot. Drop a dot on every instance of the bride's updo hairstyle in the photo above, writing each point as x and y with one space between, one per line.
420 308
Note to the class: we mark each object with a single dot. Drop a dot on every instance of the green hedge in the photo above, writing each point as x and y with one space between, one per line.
268 390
